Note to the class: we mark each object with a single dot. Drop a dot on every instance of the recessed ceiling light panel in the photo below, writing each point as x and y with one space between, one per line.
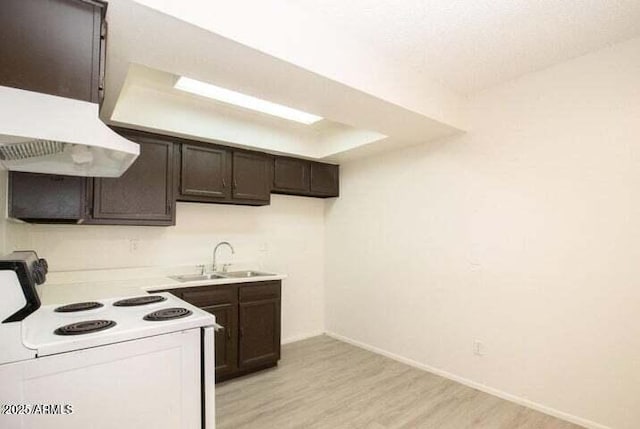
242 100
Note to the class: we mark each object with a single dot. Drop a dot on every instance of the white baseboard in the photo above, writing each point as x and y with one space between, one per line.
490 390
300 337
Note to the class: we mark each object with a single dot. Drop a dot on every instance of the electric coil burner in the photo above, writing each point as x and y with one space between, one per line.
139 300
86 327
78 306
167 314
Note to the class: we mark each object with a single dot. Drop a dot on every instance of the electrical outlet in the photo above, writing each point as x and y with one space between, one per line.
478 348
133 245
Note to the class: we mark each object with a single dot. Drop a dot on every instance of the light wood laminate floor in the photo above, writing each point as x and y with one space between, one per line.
325 383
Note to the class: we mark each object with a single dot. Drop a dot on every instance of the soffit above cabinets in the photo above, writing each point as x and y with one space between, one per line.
149 101
148 50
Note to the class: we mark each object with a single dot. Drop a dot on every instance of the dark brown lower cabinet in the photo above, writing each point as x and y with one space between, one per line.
250 316
226 340
259 333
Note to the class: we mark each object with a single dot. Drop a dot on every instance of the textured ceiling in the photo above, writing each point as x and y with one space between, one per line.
468 45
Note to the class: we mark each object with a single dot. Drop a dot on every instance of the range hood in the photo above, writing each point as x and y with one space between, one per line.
43 133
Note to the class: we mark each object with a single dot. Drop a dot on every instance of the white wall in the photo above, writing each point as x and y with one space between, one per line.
523 234
285 237
12 234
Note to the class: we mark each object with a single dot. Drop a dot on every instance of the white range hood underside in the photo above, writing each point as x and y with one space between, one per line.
57 135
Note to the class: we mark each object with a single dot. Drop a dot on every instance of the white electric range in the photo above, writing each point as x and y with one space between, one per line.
144 361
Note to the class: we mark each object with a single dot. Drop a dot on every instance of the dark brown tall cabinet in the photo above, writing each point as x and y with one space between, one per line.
55 47
250 316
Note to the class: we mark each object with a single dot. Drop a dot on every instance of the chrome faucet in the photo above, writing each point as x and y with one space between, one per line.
215 251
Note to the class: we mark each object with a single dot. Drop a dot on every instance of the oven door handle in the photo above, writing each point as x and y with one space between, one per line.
217 327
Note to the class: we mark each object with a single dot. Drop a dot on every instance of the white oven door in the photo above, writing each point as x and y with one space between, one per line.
148 383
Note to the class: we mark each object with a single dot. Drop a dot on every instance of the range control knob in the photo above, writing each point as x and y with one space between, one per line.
44 264
39 276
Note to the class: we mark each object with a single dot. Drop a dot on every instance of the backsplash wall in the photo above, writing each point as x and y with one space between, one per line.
286 237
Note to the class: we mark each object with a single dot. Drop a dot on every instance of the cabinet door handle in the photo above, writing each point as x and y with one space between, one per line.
228 334
224 183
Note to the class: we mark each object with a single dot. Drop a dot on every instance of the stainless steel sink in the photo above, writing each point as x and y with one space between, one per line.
245 273
196 277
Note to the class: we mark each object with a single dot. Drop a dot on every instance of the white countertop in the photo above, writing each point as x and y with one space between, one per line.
75 286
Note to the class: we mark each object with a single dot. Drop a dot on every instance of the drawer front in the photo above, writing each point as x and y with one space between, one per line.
259 291
210 295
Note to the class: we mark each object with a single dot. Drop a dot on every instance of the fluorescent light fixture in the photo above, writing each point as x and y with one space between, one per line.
248 102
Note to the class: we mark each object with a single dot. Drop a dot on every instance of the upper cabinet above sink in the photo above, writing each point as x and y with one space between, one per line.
218 174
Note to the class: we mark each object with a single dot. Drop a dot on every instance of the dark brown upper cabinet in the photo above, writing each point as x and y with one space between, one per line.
167 169
55 47
143 195
217 174
291 176
295 176
47 198
205 174
251 178
324 179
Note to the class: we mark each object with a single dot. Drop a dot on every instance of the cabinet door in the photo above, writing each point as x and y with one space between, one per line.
259 333
251 177
205 174
52 46
225 339
291 175
324 179
46 197
144 193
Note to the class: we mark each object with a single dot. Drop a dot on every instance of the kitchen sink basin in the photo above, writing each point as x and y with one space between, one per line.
245 273
196 277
